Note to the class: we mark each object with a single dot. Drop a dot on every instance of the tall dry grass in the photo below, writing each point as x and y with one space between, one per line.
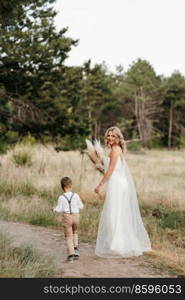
23 261
28 192
158 175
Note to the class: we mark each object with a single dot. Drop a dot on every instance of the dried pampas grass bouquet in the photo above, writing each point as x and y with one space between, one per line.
96 154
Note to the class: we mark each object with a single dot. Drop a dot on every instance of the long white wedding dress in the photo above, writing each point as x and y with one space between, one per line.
121 231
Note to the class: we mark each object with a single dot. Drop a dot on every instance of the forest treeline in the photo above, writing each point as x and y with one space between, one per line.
42 98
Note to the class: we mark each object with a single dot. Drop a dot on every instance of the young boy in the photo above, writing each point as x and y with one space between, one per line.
69 204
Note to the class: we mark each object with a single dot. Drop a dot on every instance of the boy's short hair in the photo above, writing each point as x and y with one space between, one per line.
65 182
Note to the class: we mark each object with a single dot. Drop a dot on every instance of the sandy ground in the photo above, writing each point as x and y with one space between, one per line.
51 242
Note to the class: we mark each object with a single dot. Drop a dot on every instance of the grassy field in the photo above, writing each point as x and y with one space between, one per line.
30 185
23 261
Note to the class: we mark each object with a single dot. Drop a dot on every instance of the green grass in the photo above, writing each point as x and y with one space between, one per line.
28 193
173 220
13 189
44 220
23 261
89 220
22 158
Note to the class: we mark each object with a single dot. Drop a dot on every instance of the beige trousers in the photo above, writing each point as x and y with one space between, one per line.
71 222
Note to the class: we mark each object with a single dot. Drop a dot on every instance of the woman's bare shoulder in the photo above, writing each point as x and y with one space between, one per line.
116 150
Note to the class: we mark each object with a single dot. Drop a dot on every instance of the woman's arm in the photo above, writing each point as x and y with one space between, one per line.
113 159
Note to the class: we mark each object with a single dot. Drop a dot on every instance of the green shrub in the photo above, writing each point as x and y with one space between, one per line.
134 146
46 138
28 140
169 218
172 220
7 139
182 142
155 142
66 143
3 146
22 158
12 136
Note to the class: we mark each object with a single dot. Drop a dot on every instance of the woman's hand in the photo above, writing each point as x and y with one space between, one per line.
98 188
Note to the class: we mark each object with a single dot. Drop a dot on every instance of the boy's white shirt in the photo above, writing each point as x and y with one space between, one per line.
63 205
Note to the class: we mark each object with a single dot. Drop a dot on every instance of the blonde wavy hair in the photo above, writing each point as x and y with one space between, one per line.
119 134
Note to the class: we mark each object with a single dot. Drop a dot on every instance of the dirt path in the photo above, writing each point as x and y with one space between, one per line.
50 241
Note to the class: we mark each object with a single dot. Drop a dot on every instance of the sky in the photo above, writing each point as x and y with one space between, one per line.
121 31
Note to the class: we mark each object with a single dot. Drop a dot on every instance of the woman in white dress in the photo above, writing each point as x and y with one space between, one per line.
121 231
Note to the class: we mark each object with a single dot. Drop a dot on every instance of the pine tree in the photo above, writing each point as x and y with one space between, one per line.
174 110
32 55
143 86
98 98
